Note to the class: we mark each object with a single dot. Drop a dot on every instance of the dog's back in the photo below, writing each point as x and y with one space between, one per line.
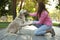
14 26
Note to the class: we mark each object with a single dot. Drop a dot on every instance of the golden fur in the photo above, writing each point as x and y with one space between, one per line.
17 24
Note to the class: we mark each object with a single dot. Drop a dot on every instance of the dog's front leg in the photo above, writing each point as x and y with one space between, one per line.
26 23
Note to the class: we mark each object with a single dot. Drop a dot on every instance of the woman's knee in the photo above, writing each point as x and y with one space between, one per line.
39 32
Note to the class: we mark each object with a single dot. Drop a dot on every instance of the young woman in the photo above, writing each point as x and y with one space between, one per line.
44 23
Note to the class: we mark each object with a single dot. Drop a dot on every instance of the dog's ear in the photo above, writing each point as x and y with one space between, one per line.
22 11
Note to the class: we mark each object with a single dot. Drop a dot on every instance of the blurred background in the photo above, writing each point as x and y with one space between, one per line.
9 9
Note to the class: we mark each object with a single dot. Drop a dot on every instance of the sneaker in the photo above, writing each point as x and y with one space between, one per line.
52 32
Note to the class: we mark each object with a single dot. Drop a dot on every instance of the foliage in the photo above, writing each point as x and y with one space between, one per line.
29 5
54 14
3 4
2 7
44 1
58 6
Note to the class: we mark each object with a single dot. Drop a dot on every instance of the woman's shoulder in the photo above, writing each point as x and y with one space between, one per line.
44 12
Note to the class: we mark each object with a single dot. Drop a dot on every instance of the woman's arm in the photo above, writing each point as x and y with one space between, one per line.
42 17
33 14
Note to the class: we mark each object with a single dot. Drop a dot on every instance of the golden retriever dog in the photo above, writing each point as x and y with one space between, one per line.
17 23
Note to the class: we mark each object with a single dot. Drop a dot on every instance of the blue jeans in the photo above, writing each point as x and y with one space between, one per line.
42 29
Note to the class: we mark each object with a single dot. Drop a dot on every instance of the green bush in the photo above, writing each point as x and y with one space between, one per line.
56 24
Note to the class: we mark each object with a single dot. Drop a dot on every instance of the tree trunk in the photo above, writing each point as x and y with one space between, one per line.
21 4
59 1
14 9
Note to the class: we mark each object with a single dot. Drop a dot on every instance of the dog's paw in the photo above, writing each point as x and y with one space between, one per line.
11 34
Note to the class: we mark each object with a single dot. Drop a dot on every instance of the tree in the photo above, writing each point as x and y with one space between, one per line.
21 4
44 1
14 8
3 4
58 6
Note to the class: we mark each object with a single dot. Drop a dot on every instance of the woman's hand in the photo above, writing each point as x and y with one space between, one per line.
34 22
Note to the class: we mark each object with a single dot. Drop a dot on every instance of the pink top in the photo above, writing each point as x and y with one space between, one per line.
43 19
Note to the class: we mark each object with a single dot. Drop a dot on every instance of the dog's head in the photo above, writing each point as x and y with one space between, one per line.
22 13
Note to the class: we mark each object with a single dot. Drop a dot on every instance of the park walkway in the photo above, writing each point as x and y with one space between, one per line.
27 34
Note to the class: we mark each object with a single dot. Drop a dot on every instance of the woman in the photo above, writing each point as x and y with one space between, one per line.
44 23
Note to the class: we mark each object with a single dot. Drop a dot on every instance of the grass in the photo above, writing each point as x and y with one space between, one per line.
4 24
56 24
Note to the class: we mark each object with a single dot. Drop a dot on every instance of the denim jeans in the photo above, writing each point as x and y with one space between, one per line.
42 29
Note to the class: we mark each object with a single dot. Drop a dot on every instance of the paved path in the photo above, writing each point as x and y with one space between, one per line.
27 33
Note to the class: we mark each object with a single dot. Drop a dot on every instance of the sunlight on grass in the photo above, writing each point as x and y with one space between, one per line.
4 24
